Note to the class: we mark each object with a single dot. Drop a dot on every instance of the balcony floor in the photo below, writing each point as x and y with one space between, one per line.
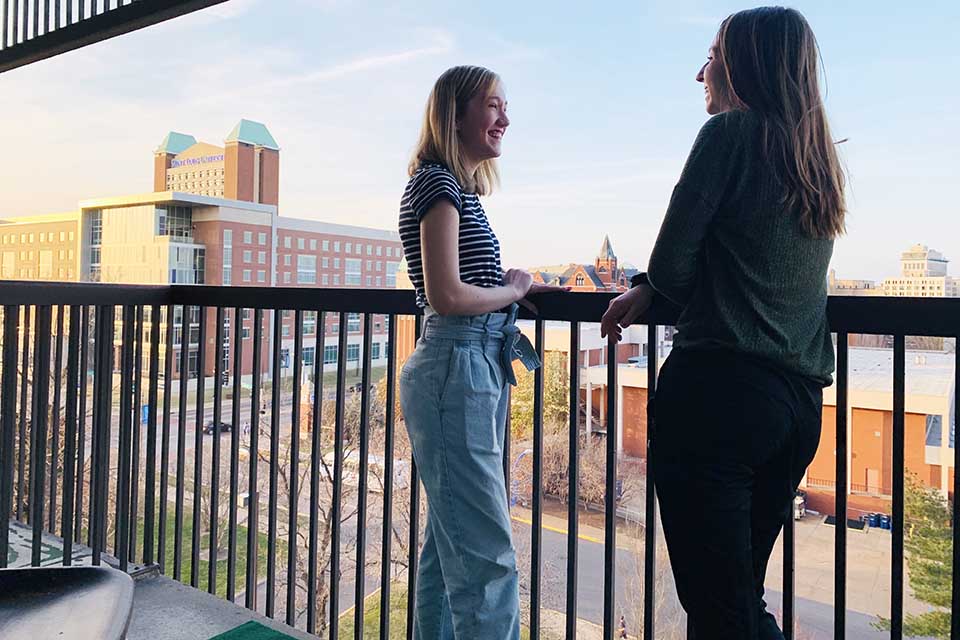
164 609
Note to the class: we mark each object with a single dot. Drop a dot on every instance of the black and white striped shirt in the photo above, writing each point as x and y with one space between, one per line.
478 247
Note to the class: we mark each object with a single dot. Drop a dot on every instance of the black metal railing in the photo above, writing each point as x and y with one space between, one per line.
32 30
105 456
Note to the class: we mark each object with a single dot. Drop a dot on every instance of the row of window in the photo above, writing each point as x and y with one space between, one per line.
63 254
45 237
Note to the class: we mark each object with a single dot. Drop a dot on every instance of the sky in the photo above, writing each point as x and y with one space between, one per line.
602 99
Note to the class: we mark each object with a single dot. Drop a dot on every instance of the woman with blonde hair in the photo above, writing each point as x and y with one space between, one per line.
744 250
453 388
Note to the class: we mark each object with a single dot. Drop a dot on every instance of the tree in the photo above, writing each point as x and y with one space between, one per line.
556 396
927 540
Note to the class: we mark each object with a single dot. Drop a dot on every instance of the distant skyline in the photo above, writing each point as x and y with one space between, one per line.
603 103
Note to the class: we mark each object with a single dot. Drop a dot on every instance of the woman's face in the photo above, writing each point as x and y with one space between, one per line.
714 78
483 125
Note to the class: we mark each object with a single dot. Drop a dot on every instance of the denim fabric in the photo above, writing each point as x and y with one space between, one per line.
453 392
732 438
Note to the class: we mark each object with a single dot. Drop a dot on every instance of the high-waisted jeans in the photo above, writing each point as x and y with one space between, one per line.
453 393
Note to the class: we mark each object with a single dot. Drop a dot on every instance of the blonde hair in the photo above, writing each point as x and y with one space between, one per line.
770 58
439 141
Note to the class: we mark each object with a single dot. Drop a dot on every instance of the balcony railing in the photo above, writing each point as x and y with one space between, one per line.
47 482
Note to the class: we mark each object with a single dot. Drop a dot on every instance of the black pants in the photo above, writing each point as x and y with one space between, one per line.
733 437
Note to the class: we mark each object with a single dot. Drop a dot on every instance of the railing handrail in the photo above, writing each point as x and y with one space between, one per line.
879 315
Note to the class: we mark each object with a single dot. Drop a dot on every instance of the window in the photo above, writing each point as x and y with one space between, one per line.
301 244
336 246
353 322
287 260
285 331
261 276
379 266
336 279
375 351
62 236
261 257
286 277
379 282
246 314
325 279
349 247
392 273
329 354
246 333
309 322
71 236
369 249
308 355
379 250
248 237
369 281
306 269
325 262
287 242
228 237
352 275
43 236
353 352
579 280
389 251
248 256
369 265
326 245
313 244
336 263
262 239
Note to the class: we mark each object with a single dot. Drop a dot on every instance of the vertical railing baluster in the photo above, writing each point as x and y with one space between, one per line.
236 341
8 416
294 469
337 501
198 451
136 429
573 519
215 451
96 428
386 559
82 421
124 478
896 556
253 494
413 553
360 581
840 482
610 496
948 432
536 531
316 453
150 492
70 434
181 441
24 412
274 466
4 41
165 438
55 422
650 518
38 426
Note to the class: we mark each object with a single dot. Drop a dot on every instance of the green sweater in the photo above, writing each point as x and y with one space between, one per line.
737 261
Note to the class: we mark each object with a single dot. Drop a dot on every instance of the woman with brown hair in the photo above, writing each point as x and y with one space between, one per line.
743 250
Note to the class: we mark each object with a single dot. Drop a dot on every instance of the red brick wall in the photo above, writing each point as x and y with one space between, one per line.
635 422
238 172
161 162
269 176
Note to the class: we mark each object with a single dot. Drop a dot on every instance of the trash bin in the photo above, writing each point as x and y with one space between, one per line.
874 520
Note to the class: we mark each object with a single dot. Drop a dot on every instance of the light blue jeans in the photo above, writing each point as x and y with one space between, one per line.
453 392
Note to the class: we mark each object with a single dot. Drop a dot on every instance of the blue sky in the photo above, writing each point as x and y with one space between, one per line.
602 98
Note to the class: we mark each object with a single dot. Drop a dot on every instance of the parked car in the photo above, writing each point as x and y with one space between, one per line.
208 428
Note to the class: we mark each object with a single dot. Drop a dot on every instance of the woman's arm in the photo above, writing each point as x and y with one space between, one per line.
446 293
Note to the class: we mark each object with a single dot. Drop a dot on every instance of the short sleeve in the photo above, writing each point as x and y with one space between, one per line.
430 185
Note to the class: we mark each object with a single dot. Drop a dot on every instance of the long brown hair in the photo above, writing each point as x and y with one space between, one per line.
439 141
771 60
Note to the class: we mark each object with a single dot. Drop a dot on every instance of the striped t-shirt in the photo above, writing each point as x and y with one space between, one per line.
478 247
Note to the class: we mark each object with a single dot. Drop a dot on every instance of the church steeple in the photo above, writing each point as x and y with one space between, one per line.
606 262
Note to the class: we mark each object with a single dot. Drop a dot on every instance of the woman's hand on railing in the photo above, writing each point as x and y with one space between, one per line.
624 311
537 288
